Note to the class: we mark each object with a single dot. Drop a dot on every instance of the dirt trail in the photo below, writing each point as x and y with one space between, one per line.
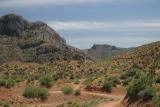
114 103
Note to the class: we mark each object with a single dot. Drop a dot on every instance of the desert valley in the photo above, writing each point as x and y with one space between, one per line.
39 69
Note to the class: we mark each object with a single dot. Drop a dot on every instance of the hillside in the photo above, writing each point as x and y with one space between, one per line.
33 42
103 52
146 56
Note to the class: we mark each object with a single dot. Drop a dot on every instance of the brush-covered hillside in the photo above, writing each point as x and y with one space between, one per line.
142 57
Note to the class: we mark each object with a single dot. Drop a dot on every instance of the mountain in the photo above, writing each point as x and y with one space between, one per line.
33 42
105 51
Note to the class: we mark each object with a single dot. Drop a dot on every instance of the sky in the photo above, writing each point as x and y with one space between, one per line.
123 23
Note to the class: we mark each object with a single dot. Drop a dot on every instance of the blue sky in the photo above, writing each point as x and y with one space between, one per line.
124 23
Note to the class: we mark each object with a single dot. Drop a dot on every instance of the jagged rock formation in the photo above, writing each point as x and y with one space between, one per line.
105 51
27 41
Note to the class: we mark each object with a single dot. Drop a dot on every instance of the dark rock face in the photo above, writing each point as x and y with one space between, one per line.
12 25
35 42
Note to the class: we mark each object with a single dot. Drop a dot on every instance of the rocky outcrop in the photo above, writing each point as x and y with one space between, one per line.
33 41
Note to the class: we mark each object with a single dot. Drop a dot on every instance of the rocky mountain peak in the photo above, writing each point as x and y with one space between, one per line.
104 46
33 42
12 25
15 25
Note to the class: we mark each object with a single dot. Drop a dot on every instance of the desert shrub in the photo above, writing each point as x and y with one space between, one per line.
36 92
18 79
8 83
130 73
134 88
157 79
137 85
88 81
107 86
156 99
76 81
114 80
2 82
67 90
126 82
42 93
147 94
46 81
77 92
5 104
70 104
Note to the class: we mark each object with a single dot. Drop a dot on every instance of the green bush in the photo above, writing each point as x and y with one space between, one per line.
8 83
88 81
156 99
67 90
157 79
134 88
46 81
147 94
36 92
107 86
130 73
5 104
77 92
141 83
114 80
2 82
126 81
76 81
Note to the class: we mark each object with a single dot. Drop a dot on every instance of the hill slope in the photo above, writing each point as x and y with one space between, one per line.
37 42
144 56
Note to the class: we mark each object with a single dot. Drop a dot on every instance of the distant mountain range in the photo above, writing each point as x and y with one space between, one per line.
105 51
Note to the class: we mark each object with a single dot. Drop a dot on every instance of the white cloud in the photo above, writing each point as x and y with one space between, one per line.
14 3
124 33
152 25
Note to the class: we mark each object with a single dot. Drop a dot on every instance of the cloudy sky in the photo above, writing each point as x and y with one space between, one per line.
124 23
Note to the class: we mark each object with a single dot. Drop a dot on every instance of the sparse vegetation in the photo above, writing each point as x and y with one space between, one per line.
92 103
